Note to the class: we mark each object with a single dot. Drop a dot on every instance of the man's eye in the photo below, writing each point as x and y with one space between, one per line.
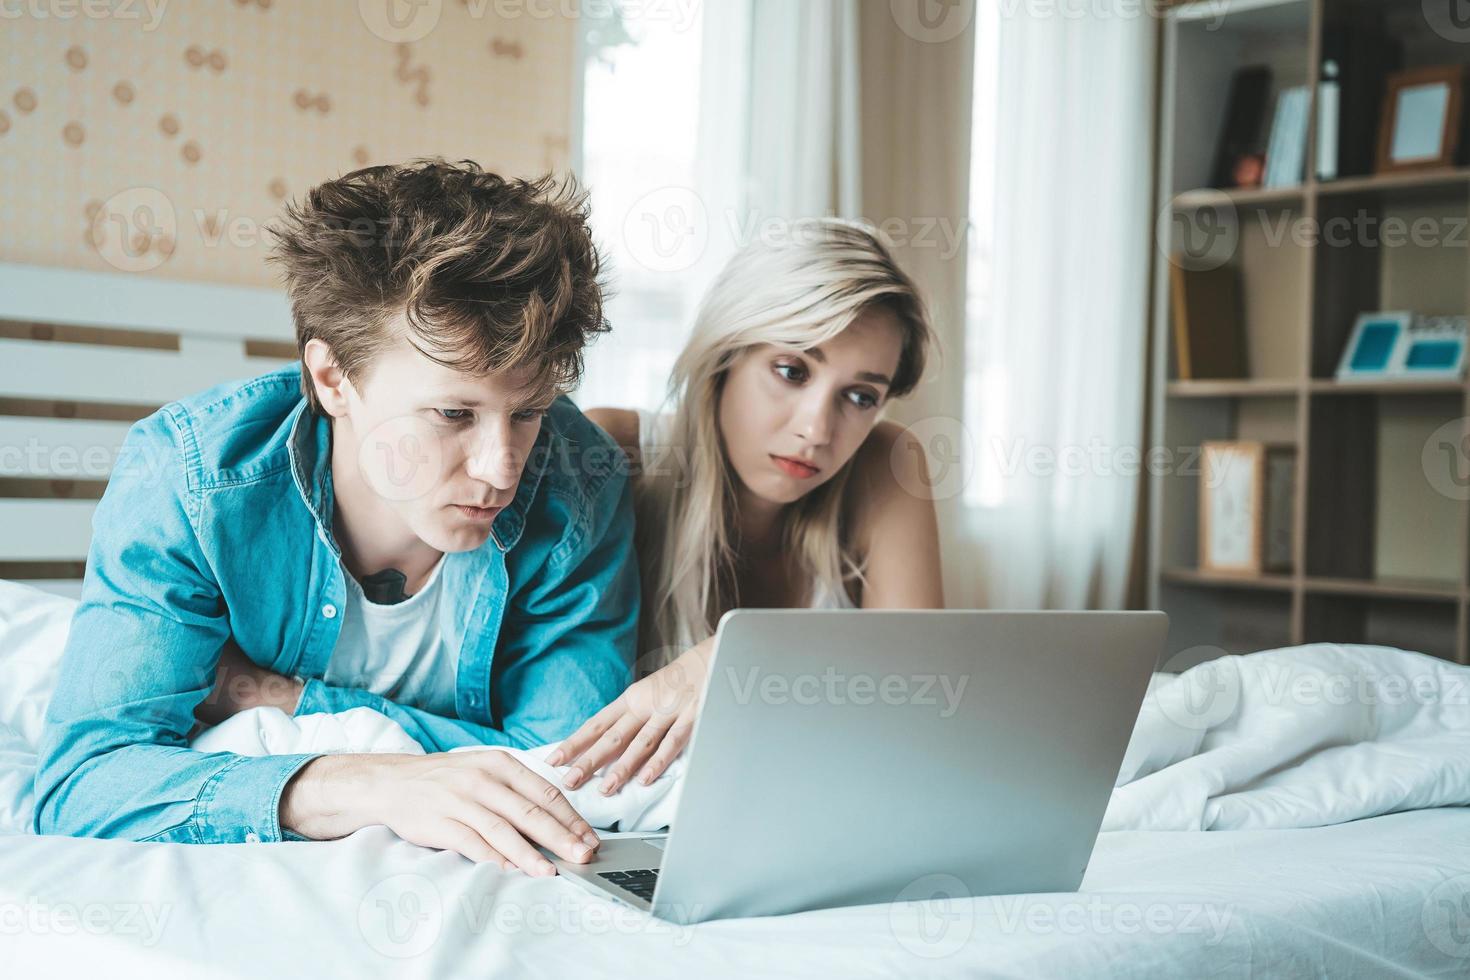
454 414
529 414
864 399
796 368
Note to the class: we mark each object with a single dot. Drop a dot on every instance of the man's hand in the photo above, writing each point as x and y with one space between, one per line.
241 684
655 713
486 805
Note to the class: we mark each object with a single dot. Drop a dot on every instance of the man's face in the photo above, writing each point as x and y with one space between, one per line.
442 451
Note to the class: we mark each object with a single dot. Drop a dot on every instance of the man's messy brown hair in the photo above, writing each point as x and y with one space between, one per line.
492 273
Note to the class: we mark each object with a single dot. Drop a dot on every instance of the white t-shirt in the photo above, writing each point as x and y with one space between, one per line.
396 650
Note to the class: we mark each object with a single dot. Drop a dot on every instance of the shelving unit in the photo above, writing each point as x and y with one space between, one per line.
1381 533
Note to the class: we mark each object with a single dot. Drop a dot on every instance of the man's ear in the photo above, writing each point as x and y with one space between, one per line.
327 378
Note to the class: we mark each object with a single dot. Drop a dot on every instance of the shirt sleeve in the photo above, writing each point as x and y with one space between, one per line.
114 758
565 647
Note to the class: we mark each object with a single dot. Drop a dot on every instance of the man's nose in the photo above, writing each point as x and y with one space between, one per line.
493 459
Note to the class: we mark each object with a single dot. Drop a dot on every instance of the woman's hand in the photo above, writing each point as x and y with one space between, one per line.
656 712
241 684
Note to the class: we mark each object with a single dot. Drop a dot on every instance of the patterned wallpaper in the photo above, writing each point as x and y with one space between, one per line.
159 136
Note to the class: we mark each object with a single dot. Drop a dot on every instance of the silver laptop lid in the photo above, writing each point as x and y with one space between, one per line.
842 755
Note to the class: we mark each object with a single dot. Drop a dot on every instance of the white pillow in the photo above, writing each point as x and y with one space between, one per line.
33 628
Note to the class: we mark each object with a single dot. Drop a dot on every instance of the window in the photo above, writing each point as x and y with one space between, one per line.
640 135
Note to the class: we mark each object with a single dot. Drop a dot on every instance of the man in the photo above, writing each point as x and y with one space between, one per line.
415 519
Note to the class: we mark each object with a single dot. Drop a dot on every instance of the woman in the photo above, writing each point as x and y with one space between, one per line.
789 490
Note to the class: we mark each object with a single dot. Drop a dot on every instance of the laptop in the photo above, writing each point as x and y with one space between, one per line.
841 756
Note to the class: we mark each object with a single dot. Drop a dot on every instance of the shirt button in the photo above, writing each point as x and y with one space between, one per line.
329 611
252 838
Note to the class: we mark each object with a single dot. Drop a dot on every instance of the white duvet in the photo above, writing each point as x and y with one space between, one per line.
1297 737
1290 738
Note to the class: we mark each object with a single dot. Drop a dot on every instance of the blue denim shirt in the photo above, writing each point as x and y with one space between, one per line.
216 527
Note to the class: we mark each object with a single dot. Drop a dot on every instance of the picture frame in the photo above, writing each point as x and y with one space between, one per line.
1420 122
1246 493
1373 346
1402 346
1433 349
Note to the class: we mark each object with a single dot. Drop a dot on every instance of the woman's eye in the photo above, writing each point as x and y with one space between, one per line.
863 399
529 414
454 414
797 369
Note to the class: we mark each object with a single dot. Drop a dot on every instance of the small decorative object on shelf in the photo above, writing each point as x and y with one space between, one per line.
1329 99
1249 170
1246 493
1400 346
1421 119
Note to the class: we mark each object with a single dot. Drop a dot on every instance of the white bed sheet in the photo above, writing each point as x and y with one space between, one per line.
1264 753
1383 897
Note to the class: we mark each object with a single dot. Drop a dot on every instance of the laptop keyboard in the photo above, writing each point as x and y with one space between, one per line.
640 883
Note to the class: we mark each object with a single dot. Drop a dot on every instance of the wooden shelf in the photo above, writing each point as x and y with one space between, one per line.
1418 589
1381 543
1452 179
1283 387
1234 388
1331 386
1449 179
1229 580
1241 197
1426 589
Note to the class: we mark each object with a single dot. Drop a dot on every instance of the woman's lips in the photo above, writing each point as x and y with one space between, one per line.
796 468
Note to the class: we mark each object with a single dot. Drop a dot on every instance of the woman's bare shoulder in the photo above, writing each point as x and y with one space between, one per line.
888 464
874 462
620 423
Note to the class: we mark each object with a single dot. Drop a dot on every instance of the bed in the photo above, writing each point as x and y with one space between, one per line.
1285 839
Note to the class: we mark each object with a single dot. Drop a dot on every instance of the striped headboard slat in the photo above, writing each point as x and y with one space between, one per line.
83 355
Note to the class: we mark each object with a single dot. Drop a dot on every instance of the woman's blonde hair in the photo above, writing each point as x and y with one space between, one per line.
799 293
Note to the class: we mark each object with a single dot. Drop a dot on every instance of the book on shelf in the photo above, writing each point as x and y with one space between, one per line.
1245 112
1286 152
1209 337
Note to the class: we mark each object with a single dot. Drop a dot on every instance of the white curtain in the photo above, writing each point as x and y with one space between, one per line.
1057 334
805 135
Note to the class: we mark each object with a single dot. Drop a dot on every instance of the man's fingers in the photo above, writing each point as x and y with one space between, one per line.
522 780
673 744
498 832
462 839
592 729
606 749
532 820
643 746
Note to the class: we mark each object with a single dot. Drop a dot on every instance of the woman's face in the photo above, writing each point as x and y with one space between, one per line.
791 418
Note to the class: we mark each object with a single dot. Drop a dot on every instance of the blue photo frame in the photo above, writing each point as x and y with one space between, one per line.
1433 349
1373 349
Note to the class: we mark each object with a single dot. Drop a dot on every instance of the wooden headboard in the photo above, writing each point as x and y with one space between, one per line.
83 355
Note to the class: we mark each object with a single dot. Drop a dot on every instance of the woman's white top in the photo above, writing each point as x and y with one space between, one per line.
396 650
651 439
